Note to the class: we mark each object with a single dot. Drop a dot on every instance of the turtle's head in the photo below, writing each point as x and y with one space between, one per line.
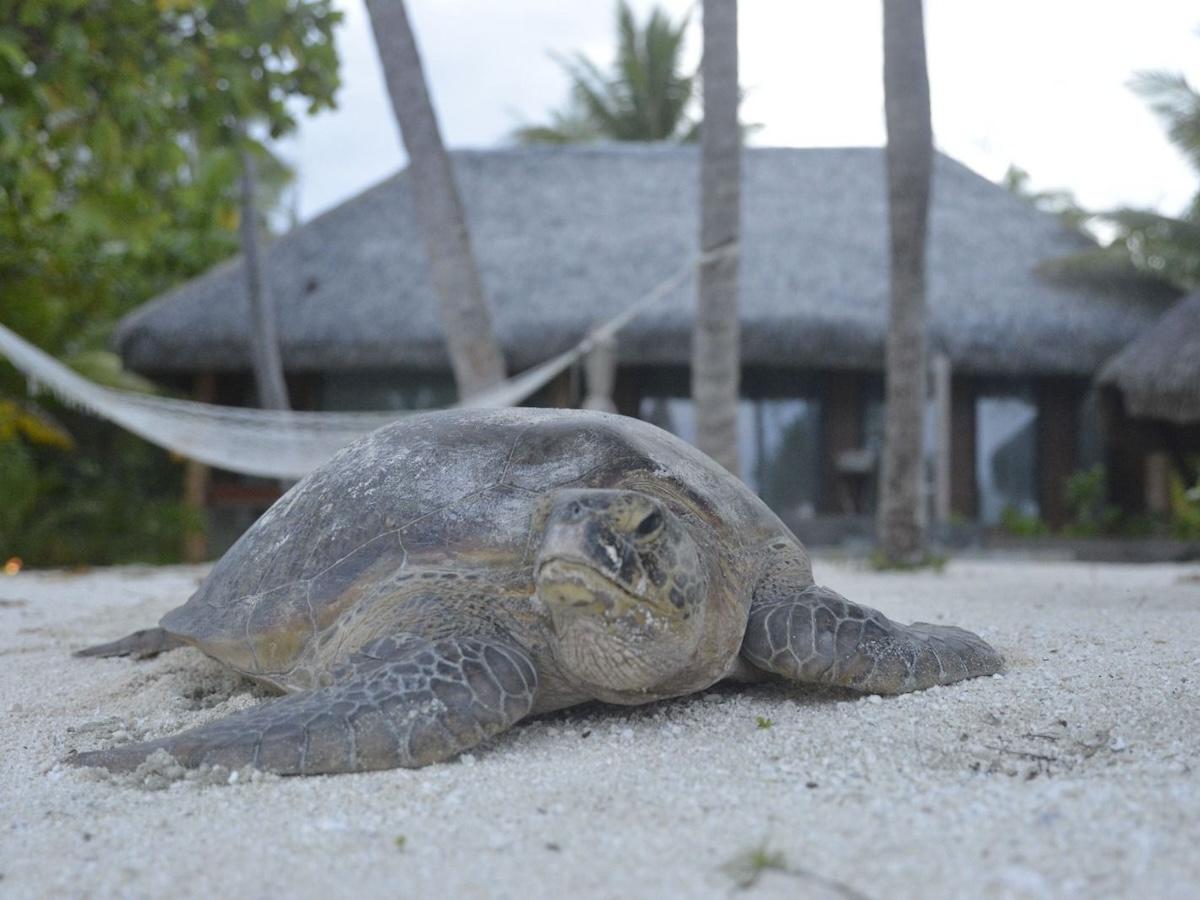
623 585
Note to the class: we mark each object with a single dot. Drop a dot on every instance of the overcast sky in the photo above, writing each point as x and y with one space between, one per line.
1038 83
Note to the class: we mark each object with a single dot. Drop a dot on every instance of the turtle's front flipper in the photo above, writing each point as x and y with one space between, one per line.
140 645
818 636
406 702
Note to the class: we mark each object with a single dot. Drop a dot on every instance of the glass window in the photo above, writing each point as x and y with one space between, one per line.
786 460
376 389
778 444
872 426
1006 453
1091 433
673 414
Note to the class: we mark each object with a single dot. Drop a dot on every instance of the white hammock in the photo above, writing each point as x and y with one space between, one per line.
276 443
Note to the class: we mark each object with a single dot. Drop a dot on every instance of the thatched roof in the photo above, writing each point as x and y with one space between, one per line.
567 236
1158 374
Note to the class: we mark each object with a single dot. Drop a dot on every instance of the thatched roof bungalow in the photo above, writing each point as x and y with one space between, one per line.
1153 406
568 236
1158 374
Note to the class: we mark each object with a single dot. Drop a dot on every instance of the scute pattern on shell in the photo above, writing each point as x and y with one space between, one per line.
434 489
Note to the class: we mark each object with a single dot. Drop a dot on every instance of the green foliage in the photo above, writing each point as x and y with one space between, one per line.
1020 524
1162 246
1091 514
117 172
1177 104
116 500
118 179
881 562
763 722
1154 254
643 97
19 478
1185 510
748 867
20 420
1061 203
1110 270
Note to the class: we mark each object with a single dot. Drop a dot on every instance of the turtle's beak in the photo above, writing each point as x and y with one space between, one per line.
582 530
569 588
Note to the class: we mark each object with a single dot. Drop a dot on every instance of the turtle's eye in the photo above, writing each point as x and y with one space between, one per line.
650 524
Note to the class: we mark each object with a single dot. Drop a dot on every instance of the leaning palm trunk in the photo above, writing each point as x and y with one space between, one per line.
474 352
267 361
909 165
715 358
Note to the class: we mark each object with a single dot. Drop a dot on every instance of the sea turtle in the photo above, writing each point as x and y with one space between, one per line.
452 573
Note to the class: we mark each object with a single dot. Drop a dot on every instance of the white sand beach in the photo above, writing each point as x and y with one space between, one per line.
1074 774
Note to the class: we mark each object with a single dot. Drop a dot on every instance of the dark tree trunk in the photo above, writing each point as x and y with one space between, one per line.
715 351
474 351
266 358
909 172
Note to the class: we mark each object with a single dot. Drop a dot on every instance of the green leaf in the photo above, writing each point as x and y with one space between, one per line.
116 184
643 97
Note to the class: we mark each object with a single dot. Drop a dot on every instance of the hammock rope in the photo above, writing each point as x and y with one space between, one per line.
279 443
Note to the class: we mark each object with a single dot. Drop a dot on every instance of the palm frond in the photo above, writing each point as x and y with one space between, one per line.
644 97
1061 203
596 97
1155 224
571 125
1176 102
658 99
1167 247
1152 254
1109 270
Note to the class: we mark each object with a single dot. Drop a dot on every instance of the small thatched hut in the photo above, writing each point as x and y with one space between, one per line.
568 236
1153 407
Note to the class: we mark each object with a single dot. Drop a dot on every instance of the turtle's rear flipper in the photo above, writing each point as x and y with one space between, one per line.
818 636
140 645
399 703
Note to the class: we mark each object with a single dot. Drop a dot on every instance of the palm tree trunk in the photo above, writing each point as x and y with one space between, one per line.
909 168
266 358
474 351
715 356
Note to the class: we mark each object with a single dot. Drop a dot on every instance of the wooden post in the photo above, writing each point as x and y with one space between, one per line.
627 391
964 488
841 426
1158 483
1125 450
196 478
601 374
1058 404
557 393
940 376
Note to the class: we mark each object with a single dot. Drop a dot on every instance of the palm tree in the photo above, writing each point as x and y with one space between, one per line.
474 351
715 356
909 172
1166 247
1061 203
1154 255
643 98
266 358
1177 103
